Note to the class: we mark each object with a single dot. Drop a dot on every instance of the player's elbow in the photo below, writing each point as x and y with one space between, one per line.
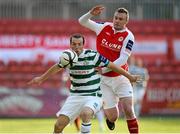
83 21
111 66
80 20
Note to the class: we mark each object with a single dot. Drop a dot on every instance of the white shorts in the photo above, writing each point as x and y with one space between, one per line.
114 88
74 105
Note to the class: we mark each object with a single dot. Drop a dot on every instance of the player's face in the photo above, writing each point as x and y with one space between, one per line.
77 45
119 20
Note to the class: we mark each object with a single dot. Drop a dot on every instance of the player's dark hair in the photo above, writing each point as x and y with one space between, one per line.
77 35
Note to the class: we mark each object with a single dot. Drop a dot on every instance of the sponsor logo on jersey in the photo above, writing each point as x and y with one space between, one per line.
95 105
108 33
79 72
121 39
115 47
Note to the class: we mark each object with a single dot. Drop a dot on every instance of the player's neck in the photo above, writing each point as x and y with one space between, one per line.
119 29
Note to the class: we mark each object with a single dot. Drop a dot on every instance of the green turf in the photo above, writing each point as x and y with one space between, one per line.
147 125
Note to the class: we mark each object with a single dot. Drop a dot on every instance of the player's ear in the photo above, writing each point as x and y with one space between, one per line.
83 40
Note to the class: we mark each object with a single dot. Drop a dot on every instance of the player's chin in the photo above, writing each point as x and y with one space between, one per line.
117 28
77 52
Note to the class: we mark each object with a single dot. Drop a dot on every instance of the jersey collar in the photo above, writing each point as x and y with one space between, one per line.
119 31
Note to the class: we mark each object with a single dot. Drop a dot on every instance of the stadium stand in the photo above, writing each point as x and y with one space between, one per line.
19 69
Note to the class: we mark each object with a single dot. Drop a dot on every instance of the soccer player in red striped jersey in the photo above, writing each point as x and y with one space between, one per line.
115 42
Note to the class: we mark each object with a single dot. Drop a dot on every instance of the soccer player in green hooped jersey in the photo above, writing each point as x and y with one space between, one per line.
85 94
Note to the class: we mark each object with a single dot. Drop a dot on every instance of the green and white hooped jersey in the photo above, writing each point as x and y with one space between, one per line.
84 79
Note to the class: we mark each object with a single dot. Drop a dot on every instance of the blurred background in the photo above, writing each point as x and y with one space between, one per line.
33 33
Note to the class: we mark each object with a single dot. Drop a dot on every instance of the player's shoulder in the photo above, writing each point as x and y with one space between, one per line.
130 34
129 31
89 52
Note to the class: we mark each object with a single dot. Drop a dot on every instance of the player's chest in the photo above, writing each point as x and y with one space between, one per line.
111 40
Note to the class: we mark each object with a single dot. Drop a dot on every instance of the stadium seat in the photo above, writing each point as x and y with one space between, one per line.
151 85
175 84
3 69
162 84
177 70
10 84
167 69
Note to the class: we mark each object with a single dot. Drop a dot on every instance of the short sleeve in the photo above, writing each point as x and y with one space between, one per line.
101 61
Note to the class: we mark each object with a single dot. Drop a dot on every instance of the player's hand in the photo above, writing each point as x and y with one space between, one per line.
97 10
36 80
98 70
136 78
61 66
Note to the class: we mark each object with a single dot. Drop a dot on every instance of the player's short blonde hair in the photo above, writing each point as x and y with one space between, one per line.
123 10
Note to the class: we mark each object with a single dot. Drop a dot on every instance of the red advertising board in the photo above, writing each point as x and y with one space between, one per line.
151 48
161 101
12 47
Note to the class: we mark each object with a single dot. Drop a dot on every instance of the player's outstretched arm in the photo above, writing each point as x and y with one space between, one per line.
51 71
132 78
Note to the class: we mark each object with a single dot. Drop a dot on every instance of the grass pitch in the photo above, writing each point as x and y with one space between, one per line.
150 125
